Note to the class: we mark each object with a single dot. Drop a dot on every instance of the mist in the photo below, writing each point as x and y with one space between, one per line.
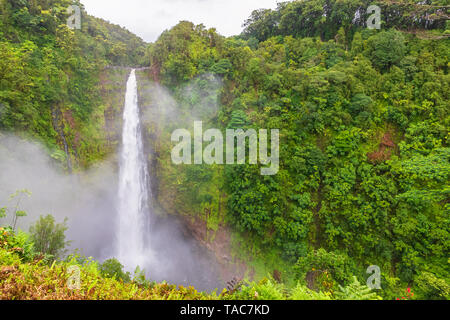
163 110
195 101
89 198
86 199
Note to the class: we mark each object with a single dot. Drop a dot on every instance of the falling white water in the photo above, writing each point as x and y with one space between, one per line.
133 185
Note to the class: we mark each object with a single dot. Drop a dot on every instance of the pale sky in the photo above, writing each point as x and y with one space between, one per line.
149 18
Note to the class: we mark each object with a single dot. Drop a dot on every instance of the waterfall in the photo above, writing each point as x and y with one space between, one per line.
133 186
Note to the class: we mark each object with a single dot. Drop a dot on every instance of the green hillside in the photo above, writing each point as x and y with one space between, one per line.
364 127
364 158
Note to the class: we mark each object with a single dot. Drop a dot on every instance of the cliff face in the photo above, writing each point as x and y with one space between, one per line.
98 136
113 86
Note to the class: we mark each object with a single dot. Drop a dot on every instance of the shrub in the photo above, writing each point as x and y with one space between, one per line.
48 237
112 268
319 262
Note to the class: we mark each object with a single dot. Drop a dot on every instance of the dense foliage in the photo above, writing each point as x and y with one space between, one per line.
364 120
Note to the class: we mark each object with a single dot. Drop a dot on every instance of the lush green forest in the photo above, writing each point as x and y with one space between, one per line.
364 159
27 273
364 142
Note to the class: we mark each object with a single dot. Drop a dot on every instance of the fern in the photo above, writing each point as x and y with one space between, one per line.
303 293
356 291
